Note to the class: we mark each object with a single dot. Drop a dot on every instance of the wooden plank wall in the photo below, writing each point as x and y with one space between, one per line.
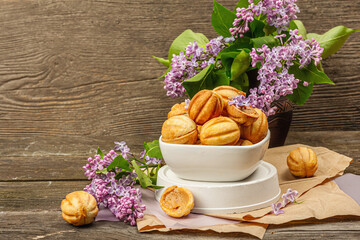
81 72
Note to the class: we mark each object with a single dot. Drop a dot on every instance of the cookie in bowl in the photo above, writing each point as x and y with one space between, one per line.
220 131
228 91
177 109
205 105
180 130
244 116
257 130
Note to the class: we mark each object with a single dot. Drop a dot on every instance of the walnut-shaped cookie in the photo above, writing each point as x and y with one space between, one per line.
205 105
302 162
228 91
244 115
244 142
180 130
79 208
257 131
177 109
177 201
220 131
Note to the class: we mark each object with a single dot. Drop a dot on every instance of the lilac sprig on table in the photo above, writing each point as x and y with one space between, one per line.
275 79
288 197
114 175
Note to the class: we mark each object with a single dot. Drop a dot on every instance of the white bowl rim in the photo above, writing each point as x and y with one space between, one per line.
267 137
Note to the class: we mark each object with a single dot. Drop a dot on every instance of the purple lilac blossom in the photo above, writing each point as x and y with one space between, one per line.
119 195
96 163
289 196
123 148
275 80
187 65
277 208
278 13
129 207
150 160
241 23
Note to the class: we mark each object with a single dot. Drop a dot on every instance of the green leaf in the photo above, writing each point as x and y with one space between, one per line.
99 152
121 173
219 78
332 40
238 45
240 64
297 24
200 81
257 28
119 162
270 41
163 61
153 174
300 94
269 29
222 19
144 179
310 74
227 60
241 83
244 4
153 149
180 43
104 171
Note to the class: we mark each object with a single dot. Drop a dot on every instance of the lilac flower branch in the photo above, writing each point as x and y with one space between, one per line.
273 75
187 65
112 180
277 13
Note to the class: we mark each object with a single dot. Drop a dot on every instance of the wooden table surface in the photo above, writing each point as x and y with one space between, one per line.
75 75
32 190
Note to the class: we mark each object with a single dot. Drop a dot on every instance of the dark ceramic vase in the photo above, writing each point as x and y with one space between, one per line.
279 123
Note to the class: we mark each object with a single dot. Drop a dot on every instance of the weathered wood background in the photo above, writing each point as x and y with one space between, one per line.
75 75
85 68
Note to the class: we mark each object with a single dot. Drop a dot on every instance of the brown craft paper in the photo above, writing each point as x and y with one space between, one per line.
151 223
320 202
331 164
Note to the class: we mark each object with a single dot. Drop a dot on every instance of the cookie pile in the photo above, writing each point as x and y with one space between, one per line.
210 120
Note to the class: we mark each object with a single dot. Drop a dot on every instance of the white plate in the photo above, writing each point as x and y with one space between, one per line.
259 190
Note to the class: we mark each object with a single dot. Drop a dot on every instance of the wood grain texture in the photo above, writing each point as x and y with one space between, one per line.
61 158
31 210
86 69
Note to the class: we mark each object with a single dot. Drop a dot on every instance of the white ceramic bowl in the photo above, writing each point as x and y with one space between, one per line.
213 163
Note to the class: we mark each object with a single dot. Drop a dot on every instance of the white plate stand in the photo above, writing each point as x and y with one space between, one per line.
259 190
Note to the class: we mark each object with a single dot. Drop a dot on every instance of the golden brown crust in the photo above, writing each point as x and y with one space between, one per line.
177 109
79 208
244 142
228 91
257 131
244 116
302 162
177 201
179 130
205 105
220 131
